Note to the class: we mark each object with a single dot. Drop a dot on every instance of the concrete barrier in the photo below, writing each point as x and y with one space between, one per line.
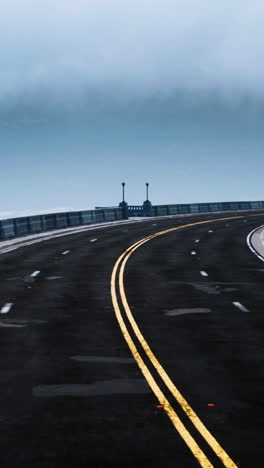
184 208
87 217
35 224
163 210
49 221
109 215
61 220
173 209
23 226
99 216
74 218
194 208
118 213
7 229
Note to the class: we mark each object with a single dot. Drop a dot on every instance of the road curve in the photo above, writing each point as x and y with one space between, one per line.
72 391
255 241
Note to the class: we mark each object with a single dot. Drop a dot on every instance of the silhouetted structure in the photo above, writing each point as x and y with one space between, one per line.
123 204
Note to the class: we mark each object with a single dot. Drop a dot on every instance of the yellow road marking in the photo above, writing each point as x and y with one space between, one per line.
212 442
166 379
189 440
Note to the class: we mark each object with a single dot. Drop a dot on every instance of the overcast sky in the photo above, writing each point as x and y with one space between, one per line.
94 93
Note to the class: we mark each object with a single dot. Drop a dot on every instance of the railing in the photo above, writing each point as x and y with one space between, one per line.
26 225
135 210
192 208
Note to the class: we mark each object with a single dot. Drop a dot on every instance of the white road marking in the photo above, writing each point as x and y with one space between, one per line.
249 243
255 269
193 252
227 225
93 240
210 282
211 230
2 324
240 306
53 277
66 232
66 252
70 231
6 308
206 288
35 273
154 224
203 273
186 311
197 240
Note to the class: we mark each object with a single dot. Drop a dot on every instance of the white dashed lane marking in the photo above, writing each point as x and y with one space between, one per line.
6 308
193 252
211 230
176 312
10 325
197 240
93 240
53 277
240 306
203 273
35 273
66 252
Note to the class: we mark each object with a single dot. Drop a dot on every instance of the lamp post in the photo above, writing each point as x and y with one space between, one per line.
123 204
123 184
147 207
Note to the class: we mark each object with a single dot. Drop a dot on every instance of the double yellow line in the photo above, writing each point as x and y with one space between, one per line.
117 284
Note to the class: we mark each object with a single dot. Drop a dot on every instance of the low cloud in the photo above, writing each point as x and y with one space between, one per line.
64 50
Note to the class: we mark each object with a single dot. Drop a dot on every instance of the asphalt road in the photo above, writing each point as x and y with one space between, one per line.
72 392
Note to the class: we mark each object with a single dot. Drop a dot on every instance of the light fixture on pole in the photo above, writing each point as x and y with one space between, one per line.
123 184
147 207
123 204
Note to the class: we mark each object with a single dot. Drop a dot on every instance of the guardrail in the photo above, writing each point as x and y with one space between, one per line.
192 208
136 210
14 227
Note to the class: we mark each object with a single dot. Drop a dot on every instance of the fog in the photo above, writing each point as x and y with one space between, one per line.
65 50
96 92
